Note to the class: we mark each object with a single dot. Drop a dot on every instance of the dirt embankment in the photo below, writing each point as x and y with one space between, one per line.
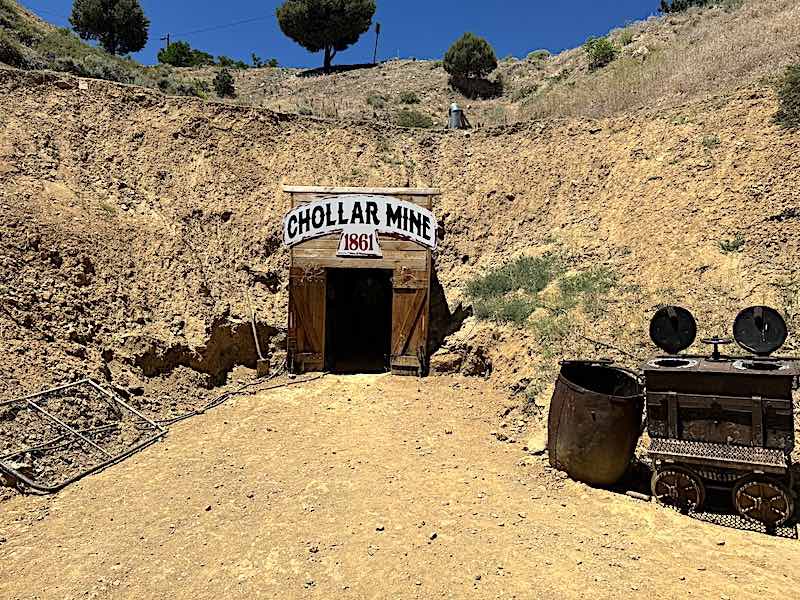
134 225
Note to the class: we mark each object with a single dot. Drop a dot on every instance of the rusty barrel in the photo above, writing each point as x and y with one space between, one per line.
594 421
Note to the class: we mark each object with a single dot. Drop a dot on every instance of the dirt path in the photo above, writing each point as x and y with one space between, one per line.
366 487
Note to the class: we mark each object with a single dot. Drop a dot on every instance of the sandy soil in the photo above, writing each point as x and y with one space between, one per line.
366 487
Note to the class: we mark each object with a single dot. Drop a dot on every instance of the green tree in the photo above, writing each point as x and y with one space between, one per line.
119 25
470 57
181 54
673 6
223 84
601 52
325 25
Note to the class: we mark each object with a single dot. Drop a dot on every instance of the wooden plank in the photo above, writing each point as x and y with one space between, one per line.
332 243
307 320
407 307
400 256
758 421
405 361
672 418
300 189
358 263
305 198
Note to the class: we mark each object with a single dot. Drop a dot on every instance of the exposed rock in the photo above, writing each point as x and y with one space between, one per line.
445 362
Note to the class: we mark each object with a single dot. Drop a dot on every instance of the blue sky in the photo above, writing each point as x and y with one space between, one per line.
411 28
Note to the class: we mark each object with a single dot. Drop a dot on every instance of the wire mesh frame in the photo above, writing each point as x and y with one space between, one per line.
722 453
160 432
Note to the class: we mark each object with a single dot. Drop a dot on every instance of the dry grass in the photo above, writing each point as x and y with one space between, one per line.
690 54
706 51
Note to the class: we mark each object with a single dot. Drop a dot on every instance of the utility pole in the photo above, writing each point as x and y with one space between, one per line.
166 39
377 34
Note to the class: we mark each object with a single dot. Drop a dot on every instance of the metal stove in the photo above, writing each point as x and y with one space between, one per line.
722 421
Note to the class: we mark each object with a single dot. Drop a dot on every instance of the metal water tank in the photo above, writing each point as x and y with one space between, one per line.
456 117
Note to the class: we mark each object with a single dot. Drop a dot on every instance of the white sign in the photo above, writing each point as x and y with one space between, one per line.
360 218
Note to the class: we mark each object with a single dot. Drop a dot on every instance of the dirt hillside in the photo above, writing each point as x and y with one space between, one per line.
135 224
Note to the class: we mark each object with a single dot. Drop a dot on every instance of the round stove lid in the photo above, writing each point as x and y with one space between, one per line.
760 330
673 329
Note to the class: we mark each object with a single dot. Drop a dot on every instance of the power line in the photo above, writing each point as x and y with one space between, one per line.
185 33
225 26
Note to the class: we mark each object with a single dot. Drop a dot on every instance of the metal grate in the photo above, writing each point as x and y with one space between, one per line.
736 522
55 437
722 453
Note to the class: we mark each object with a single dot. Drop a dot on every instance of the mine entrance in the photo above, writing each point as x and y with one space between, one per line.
359 320
359 279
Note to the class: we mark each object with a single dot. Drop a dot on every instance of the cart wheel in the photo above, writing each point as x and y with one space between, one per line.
764 500
678 487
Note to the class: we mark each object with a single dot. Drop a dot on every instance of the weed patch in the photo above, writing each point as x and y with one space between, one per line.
586 288
413 118
528 274
537 292
409 98
733 245
711 141
788 114
376 100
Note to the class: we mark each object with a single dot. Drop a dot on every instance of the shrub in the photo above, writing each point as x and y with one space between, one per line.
224 84
789 98
181 54
258 62
409 98
587 286
94 67
10 52
505 310
516 290
539 56
601 52
470 57
184 87
413 118
625 37
673 6
711 141
733 245
524 92
376 100
226 62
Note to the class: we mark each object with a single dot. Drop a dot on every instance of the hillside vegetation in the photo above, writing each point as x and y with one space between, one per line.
27 42
663 61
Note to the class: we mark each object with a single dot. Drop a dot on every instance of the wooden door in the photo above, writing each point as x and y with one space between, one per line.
307 304
410 308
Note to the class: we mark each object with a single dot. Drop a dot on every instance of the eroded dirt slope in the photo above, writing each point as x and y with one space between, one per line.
133 225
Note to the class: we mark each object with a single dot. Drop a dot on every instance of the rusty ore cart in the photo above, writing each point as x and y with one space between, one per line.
722 421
